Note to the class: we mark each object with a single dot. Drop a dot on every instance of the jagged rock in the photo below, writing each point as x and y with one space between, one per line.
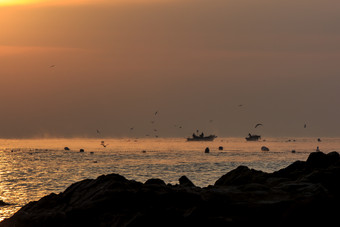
2 203
304 193
184 181
241 175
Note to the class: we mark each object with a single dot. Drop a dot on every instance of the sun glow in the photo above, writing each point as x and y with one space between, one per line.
18 2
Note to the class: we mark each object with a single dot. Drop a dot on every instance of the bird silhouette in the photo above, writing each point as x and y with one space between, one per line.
103 144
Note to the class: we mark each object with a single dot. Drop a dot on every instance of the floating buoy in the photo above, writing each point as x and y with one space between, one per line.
81 150
220 148
293 151
264 148
66 148
207 150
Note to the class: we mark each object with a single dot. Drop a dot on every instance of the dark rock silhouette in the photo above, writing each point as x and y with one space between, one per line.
155 182
2 203
184 181
305 193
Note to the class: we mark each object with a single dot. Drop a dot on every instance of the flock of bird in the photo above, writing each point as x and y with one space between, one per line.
180 127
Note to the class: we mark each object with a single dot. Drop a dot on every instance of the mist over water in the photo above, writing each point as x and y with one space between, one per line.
33 168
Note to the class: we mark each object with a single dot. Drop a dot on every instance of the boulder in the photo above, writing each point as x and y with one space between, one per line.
241 175
184 181
2 203
155 182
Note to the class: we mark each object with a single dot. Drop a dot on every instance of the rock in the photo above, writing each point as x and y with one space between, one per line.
2 203
207 150
241 175
155 182
184 181
220 148
304 193
321 160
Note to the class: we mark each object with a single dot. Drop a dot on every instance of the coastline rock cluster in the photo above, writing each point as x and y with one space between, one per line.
304 193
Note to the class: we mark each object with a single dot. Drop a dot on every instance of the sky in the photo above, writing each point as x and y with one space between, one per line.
70 68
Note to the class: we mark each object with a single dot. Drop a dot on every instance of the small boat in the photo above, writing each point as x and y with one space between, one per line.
253 137
201 138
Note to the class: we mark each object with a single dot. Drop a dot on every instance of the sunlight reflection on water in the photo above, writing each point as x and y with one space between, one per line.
31 169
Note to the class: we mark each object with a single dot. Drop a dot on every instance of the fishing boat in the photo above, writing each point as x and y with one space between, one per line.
201 137
251 137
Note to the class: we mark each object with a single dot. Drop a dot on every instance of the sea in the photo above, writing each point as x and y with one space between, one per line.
33 168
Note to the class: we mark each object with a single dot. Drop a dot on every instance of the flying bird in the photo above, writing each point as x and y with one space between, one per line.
156 113
305 126
103 144
98 131
258 125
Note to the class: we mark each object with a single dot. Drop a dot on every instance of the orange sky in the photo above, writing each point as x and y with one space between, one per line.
115 62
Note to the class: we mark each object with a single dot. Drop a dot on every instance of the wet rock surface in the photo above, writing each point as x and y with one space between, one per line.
305 192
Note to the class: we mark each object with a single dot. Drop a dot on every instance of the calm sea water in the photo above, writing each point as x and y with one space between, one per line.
31 169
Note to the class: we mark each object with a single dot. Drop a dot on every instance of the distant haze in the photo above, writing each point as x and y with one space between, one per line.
218 66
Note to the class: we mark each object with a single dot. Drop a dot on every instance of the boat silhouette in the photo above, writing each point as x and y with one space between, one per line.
201 137
251 137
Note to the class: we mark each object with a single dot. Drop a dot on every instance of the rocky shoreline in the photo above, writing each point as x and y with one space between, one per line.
305 192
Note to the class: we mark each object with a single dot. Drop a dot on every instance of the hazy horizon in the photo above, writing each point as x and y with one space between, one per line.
70 68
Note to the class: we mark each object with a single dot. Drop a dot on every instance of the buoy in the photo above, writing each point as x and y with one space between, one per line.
66 148
220 148
81 150
263 148
293 151
207 150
